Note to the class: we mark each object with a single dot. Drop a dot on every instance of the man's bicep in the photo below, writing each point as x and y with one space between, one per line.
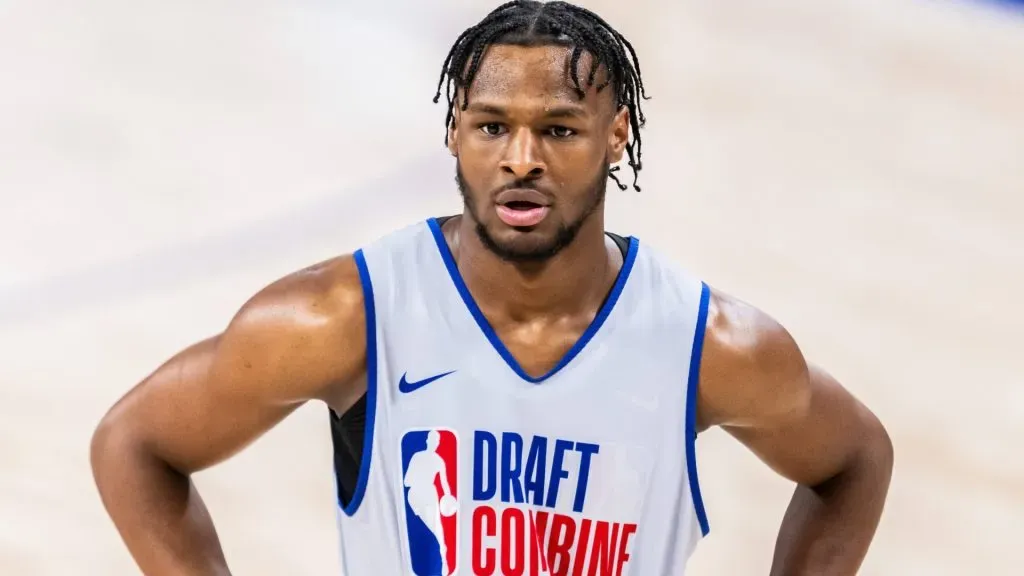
757 385
192 412
291 343
815 439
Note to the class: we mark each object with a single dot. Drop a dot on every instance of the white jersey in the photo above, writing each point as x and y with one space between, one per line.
470 466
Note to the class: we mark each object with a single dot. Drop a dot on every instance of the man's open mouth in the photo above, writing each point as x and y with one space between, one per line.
522 205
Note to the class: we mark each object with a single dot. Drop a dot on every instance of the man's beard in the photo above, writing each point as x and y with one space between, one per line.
540 252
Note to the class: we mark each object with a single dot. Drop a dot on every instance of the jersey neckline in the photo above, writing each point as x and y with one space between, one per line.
485 326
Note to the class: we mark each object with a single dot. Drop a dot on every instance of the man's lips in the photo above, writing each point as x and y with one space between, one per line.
522 196
522 207
520 216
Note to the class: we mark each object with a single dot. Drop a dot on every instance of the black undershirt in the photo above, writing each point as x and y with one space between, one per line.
348 430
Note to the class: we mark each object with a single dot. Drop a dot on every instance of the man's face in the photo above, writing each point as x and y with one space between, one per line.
532 158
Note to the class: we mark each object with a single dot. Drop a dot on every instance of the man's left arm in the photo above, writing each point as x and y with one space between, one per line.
756 385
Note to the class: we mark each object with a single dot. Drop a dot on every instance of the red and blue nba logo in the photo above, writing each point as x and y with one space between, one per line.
430 473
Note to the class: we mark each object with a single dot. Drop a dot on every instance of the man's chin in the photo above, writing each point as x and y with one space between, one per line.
521 244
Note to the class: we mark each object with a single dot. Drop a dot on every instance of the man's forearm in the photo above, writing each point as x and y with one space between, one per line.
157 511
828 529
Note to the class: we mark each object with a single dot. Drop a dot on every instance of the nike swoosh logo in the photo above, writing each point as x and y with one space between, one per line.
404 386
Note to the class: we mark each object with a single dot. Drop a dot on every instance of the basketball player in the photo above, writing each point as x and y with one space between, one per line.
574 366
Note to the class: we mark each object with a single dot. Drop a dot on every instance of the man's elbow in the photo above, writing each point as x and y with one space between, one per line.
867 469
104 441
111 444
867 443
881 447
876 456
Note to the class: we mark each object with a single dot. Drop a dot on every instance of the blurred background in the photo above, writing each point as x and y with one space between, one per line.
854 167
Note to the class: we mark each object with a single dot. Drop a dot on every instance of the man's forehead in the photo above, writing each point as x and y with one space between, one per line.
531 71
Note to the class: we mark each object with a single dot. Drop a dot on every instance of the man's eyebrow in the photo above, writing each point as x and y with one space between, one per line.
485 109
565 111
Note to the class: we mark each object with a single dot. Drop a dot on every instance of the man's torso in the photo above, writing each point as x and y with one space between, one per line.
585 470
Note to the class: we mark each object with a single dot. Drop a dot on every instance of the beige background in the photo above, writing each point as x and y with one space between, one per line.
854 167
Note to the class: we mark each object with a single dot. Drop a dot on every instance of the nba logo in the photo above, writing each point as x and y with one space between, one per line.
430 473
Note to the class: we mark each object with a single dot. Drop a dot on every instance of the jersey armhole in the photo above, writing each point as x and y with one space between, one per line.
691 409
369 406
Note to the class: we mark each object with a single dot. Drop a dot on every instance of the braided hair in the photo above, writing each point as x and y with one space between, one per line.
533 23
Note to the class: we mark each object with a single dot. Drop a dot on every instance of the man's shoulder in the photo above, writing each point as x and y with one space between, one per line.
332 289
312 299
744 336
748 356
740 327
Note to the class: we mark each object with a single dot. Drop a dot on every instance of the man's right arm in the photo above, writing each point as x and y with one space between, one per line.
299 339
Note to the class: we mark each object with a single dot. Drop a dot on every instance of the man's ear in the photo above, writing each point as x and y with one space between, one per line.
453 138
618 135
453 126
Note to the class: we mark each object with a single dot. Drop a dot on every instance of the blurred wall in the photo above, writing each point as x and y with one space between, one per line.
855 168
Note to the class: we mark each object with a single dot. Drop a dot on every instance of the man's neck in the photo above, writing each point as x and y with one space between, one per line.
575 280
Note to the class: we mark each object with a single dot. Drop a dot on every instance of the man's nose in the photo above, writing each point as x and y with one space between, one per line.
522 157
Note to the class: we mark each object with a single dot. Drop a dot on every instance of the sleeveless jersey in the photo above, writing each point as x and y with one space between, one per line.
471 466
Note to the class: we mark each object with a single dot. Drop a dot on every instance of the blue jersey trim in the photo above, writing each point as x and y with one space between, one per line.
371 385
485 326
691 409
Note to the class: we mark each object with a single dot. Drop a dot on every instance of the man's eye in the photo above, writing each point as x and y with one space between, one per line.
491 129
562 132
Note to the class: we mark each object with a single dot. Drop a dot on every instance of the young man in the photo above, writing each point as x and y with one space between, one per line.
513 390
